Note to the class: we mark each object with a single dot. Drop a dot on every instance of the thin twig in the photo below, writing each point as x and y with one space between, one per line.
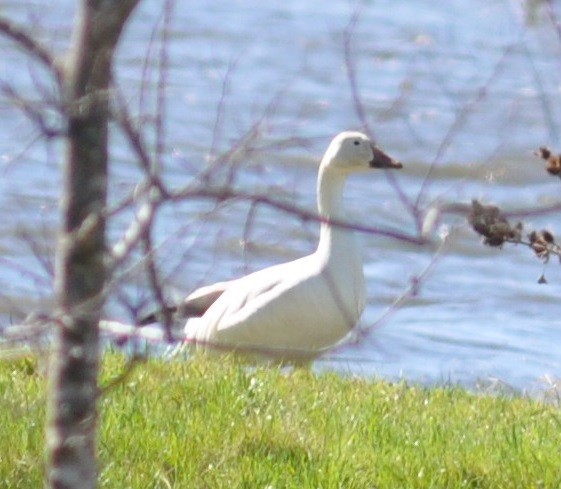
348 35
358 104
412 290
219 115
31 46
119 379
460 120
161 89
227 193
32 110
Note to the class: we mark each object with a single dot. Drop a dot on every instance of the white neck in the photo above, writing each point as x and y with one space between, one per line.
337 253
330 206
330 187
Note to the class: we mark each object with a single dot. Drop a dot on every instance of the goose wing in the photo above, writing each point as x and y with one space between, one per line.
291 311
194 305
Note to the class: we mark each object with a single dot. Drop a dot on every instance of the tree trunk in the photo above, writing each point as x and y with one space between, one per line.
80 270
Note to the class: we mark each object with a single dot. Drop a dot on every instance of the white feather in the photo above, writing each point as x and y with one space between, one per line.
295 311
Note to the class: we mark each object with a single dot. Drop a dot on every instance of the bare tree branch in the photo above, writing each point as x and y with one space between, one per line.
348 36
34 111
460 120
31 46
161 101
350 65
227 193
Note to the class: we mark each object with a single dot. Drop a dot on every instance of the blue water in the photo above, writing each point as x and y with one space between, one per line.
467 88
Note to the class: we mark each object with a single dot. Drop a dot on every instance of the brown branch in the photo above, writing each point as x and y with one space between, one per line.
119 379
411 291
228 193
32 111
461 119
554 19
136 141
134 234
243 146
161 91
31 46
248 225
348 34
155 283
219 112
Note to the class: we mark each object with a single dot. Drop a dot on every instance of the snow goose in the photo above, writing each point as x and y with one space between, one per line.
295 311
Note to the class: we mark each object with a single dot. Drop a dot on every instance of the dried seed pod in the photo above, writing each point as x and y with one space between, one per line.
547 236
488 221
541 242
553 160
543 152
554 167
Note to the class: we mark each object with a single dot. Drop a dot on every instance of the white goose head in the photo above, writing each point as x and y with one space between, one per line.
353 151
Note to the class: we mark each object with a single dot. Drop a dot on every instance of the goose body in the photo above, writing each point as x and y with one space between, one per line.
295 311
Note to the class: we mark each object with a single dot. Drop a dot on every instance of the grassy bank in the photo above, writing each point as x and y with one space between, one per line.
217 424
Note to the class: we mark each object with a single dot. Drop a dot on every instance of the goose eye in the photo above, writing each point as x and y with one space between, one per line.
357 142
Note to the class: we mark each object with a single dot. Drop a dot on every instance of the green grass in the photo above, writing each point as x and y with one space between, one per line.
215 424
